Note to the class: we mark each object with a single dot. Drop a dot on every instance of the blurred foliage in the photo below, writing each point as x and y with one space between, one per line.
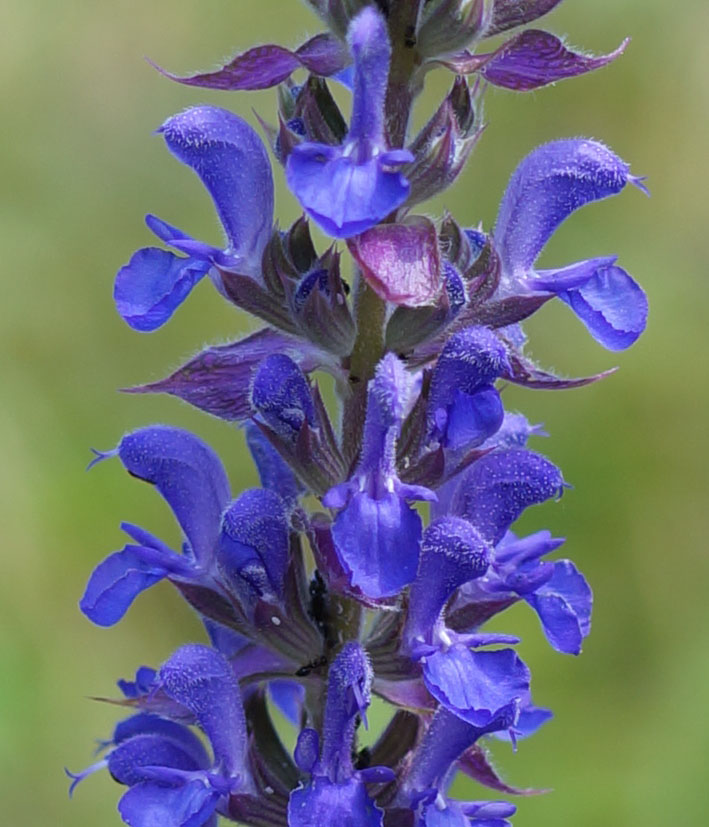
79 169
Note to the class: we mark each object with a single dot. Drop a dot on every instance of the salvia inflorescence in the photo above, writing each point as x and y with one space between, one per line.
324 587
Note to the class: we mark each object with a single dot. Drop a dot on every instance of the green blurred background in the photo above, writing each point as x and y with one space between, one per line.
79 168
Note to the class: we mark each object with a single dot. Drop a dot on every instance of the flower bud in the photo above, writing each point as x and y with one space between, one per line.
320 307
450 25
444 145
281 396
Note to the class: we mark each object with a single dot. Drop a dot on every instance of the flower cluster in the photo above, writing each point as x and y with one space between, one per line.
326 585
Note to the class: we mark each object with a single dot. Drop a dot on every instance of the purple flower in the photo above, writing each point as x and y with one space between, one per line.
336 792
377 533
252 556
171 778
191 478
481 687
433 323
430 773
452 553
497 488
274 473
281 396
464 409
240 548
557 591
551 183
349 188
231 161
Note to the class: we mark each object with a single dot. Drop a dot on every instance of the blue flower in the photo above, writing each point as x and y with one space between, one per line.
377 533
497 488
274 473
336 792
239 548
171 778
281 396
253 547
557 591
481 687
349 188
552 182
430 772
231 161
464 408
452 553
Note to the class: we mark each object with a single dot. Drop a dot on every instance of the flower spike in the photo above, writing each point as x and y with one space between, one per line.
334 582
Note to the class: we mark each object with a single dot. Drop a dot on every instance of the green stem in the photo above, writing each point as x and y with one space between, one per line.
370 315
403 20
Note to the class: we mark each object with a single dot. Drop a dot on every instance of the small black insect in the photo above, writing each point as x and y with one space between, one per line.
410 37
317 663
363 759
319 609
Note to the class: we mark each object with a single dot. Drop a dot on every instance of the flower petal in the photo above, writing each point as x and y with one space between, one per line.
549 184
254 536
230 159
368 40
153 284
202 680
443 815
144 679
531 718
127 761
274 473
342 196
476 686
612 306
325 802
472 418
154 725
501 485
187 473
281 396
149 804
377 540
563 604
452 553
349 694
117 581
